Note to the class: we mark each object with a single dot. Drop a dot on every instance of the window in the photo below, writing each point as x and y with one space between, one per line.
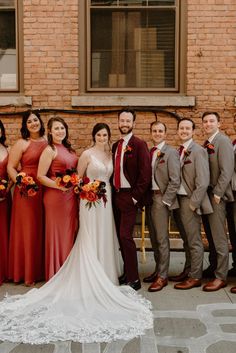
8 46
132 46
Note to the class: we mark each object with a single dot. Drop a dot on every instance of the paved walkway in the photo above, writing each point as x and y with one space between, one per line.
189 321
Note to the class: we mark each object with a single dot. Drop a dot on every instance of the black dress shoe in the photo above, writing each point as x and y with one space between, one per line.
122 279
232 272
208 273
136 285
151 278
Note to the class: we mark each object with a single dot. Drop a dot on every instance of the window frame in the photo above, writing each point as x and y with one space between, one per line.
19 51
85 49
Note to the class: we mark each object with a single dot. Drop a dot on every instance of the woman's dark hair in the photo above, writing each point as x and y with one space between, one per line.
3 134
100 126
65 141
24 130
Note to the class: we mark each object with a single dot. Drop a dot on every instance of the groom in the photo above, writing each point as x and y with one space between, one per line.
131 180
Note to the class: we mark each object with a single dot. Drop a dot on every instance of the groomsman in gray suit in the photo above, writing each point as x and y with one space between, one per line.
221 163
165 183
193 198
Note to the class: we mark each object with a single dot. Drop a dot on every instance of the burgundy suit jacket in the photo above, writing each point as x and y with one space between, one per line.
137 169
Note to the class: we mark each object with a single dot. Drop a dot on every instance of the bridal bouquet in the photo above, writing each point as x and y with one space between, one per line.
92 191
26 184
68 179
3 188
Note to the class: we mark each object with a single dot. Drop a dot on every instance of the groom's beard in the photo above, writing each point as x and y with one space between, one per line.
126 132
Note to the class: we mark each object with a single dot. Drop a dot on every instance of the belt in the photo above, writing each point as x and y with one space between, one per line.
157 192
123 190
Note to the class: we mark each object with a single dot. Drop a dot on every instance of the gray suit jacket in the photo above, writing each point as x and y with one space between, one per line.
233 180
167 175
221 163
195 177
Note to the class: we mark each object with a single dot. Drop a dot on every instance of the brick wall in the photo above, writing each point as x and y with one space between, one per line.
51 64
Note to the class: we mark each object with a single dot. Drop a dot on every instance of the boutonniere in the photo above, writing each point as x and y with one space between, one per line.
210 148
128 149
160 154
187 153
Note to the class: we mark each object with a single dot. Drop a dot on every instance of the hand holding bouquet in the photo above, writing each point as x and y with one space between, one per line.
26 184
67 179
92 191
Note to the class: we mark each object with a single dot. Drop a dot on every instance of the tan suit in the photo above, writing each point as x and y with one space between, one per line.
221 163
195 179
167 177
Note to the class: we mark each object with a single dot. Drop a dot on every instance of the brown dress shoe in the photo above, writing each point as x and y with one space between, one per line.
214 285
233 290
158 284
151 278
188 283
179 278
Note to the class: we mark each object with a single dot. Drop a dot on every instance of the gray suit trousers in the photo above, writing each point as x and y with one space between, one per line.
192 225
160 236
217 221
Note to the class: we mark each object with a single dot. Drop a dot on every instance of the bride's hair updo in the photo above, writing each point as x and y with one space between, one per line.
100 126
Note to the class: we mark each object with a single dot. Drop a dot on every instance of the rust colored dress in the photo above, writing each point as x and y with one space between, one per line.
61 214
5 208
26 256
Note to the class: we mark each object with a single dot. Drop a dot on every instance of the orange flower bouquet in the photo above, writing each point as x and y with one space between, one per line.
3 188
26 184
68 179
92 191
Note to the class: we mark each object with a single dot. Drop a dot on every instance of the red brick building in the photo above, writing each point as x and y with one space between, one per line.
68 56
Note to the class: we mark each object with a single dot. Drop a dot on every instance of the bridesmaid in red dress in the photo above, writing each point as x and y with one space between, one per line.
61 206
5 207
26 256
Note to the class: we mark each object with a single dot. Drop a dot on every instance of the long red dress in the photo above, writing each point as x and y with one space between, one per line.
5 208
61 215
26 256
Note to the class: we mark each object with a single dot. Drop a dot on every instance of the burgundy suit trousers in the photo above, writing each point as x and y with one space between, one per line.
125 216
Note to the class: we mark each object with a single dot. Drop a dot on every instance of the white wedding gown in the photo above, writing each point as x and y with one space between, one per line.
82 302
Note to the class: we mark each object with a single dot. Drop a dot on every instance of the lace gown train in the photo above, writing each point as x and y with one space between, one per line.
81 302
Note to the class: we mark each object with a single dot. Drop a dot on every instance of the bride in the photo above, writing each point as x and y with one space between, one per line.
82 302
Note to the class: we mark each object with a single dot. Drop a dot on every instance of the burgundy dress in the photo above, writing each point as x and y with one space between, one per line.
26 256
61 214
5 208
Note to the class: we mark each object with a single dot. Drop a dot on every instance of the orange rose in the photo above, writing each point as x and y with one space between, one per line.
2 187
86 187
31 192
66 178
74 179
91 196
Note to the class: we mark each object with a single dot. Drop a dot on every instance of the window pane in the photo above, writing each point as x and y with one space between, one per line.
133 48
8 61
103 2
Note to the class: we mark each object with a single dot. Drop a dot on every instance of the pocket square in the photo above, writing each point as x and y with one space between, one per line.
187 162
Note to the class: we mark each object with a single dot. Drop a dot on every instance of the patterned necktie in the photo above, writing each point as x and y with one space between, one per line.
117 164
206 143
234 142
181 147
